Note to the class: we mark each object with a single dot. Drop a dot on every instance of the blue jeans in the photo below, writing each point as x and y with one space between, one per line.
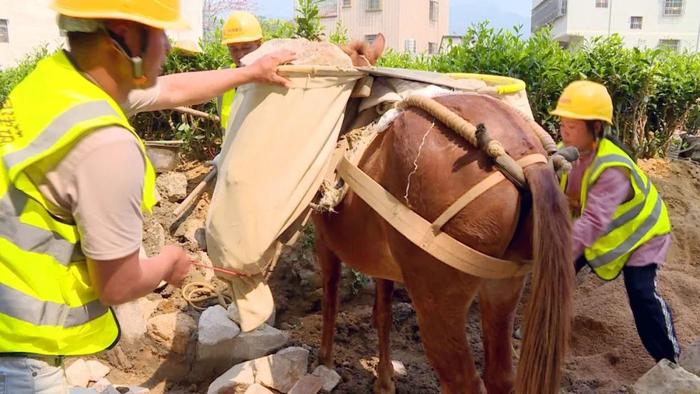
24 375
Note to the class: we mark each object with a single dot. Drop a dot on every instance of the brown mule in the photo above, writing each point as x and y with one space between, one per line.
502 222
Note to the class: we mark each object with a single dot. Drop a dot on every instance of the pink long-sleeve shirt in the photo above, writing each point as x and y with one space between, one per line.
610 190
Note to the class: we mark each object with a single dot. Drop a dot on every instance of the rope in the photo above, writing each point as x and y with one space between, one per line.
198 292
468 131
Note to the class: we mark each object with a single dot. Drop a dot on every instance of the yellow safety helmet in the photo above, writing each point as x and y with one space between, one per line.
241 26
585 100
161 14
186 47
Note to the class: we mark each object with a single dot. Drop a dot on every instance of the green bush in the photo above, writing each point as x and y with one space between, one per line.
12 76
655 92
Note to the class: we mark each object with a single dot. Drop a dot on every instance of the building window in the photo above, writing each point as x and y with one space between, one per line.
4 34
601 3
434 10
673 45
564 7
432 47
410 45
370 38
346 4
636 22
673 7
374 5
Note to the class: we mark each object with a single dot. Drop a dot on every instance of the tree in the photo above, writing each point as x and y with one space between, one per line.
307 20
216 11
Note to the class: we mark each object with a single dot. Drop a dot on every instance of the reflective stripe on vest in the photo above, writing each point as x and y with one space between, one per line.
224 104
634 222
47 302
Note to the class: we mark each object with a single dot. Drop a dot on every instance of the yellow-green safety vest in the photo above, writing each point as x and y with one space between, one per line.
634 222
223 105
48 304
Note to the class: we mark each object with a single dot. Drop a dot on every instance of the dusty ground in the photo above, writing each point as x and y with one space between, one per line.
606 355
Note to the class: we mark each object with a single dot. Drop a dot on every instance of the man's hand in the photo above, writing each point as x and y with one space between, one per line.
265 69
180 267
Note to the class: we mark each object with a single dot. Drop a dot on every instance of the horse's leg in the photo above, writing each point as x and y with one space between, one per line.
382 322
497 302
330 273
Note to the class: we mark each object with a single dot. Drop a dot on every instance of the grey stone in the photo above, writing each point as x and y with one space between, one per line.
78 373
329 376
399 368
690 358
216 333
283 369
668 378
234 381
257 343
172 186
82 390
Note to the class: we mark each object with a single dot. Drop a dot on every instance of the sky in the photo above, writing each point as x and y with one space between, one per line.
500 13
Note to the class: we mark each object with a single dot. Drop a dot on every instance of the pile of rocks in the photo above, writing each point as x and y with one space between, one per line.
669 378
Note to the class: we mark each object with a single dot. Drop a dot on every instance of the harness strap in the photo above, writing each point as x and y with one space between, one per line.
419 231
480 188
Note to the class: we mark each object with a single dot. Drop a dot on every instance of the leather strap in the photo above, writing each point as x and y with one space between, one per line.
419 231
480 188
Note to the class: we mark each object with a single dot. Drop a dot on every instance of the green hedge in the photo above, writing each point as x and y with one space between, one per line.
655 92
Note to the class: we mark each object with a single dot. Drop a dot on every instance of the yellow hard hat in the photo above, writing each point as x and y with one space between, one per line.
241 26
161 14
186 47
585 100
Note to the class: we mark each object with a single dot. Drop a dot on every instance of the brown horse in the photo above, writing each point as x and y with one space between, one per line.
503 222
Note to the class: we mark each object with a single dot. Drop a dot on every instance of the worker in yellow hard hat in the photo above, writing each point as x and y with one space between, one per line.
242 35
621 223
75 179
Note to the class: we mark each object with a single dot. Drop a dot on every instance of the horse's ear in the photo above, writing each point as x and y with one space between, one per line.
377 48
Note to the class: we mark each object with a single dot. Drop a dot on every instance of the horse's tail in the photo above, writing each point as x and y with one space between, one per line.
549 310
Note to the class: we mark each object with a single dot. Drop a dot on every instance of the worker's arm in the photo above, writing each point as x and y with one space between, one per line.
197 87
125 279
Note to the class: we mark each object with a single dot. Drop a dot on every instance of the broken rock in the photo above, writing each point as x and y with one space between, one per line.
193 231
234 381
172 330
668 378
216 333
172 186
259 342
131 322
78 373
308 384
690 358
258 389
97 370
330 377
283 369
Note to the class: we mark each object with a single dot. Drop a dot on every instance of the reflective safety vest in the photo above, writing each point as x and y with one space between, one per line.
223 105
47 302
634 222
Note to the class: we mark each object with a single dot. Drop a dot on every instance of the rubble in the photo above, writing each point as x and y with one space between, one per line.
259 342
172 186
283 369
172 330
330 377
78 373
308 384
690 358
668 378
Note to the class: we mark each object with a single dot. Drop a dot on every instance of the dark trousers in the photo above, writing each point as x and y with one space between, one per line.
652 316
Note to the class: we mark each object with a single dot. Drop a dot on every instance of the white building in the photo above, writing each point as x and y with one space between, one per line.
415 26
28 24
641 23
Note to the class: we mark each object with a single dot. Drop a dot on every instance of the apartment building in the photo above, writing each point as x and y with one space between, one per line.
28 24
415 26
673 24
